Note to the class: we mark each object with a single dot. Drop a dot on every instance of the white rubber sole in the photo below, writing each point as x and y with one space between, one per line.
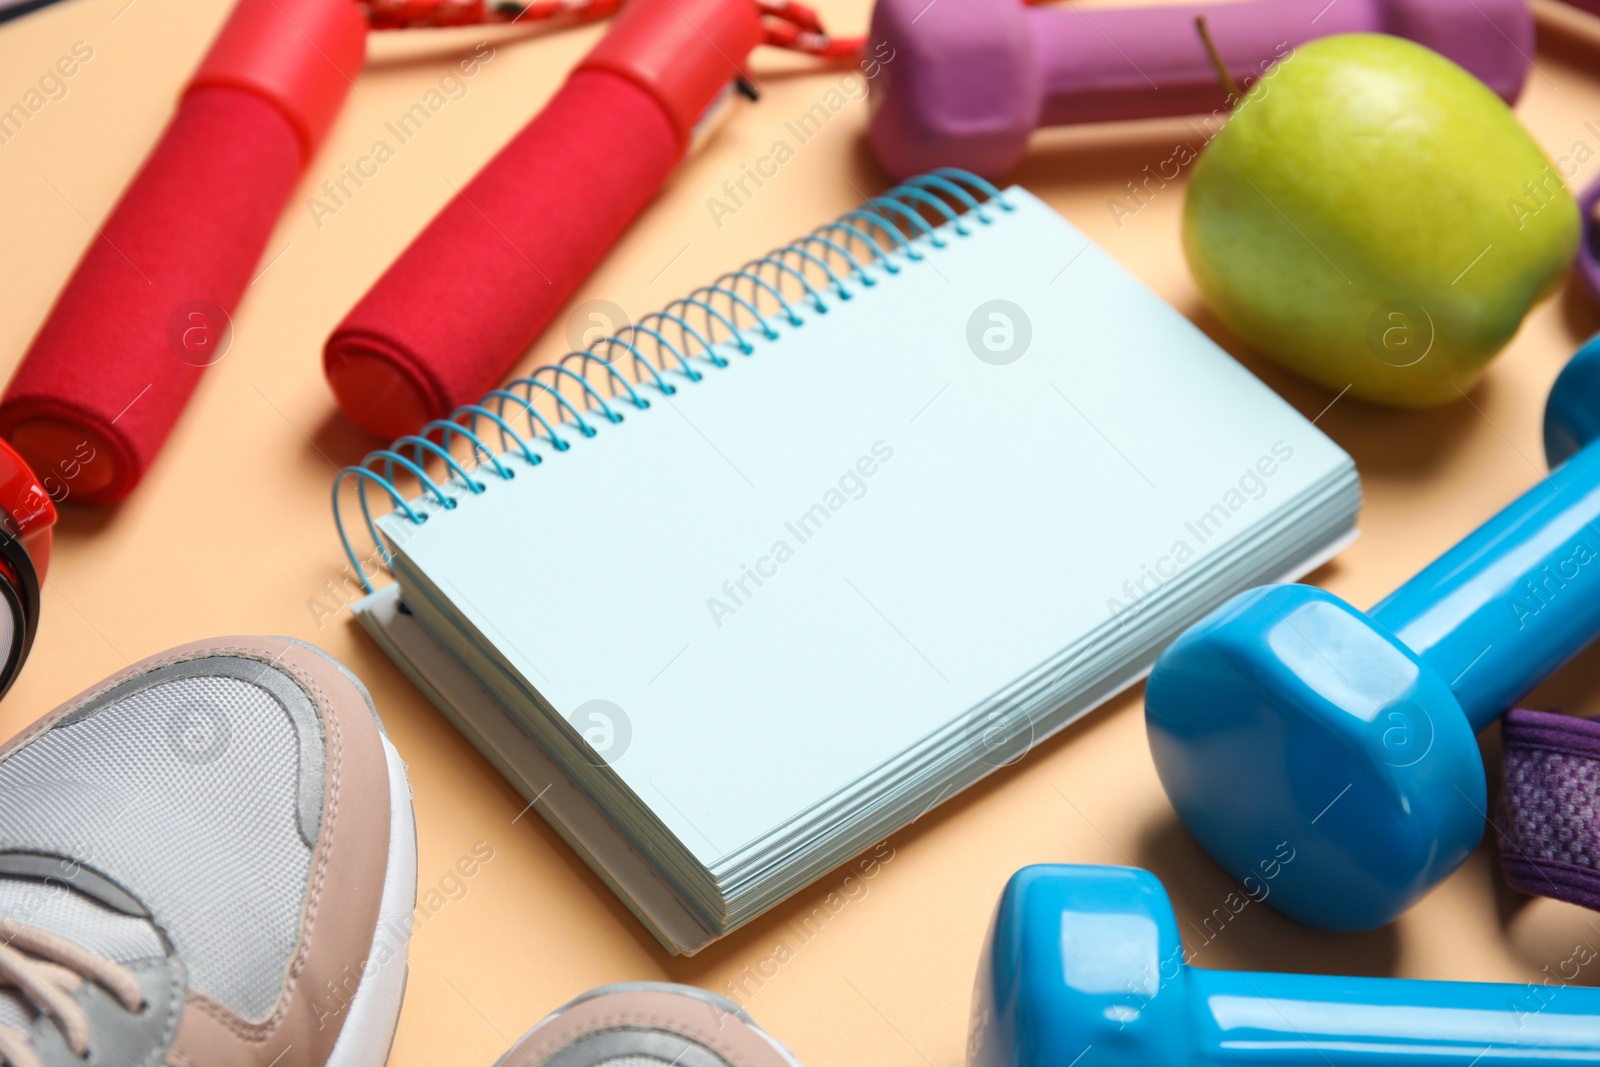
374 1012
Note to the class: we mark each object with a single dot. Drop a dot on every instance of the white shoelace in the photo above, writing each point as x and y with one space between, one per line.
47 970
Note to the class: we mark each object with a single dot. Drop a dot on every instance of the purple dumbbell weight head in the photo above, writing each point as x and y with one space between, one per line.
970 79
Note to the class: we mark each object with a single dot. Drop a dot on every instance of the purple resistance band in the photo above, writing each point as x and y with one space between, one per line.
1588 259
1550 806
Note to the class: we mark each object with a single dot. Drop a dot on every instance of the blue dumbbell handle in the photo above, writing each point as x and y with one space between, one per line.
1516 599
1295 1020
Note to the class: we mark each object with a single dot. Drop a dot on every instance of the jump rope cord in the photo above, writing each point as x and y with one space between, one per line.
788 25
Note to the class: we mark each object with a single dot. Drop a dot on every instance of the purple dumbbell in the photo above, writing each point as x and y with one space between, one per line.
969 80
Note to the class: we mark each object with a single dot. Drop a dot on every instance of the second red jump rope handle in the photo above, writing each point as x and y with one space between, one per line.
449 317
110 370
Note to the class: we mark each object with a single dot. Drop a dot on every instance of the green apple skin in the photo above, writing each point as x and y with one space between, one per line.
1373 216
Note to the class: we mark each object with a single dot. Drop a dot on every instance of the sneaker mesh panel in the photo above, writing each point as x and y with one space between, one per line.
185 793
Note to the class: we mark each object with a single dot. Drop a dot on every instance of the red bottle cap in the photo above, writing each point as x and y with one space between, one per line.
27 515
26 511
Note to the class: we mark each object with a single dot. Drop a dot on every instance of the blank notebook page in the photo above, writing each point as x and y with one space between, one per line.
927 527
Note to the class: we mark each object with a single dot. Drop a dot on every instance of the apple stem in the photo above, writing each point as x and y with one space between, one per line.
1235 95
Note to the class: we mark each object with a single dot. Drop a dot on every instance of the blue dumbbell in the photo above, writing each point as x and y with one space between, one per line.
1572 414
1289 716
1084 966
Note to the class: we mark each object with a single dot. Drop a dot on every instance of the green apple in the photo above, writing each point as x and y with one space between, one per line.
1373 216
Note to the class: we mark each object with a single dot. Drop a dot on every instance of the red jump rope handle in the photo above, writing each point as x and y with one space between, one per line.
449 317
147 308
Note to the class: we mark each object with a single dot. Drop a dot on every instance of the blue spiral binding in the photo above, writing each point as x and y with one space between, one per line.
885 229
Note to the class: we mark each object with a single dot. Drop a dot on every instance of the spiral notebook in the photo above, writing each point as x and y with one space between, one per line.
746 588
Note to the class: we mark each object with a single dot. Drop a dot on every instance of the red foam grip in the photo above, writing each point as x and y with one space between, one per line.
148 306
473 290
111 368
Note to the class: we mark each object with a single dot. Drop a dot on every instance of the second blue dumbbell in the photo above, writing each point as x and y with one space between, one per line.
1084 966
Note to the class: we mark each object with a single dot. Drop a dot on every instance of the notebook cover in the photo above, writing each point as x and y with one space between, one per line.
865 526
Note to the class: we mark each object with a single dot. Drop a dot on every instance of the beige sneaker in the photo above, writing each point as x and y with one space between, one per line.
648 1024
207 860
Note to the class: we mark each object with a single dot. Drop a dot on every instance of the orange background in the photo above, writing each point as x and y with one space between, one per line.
231 533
